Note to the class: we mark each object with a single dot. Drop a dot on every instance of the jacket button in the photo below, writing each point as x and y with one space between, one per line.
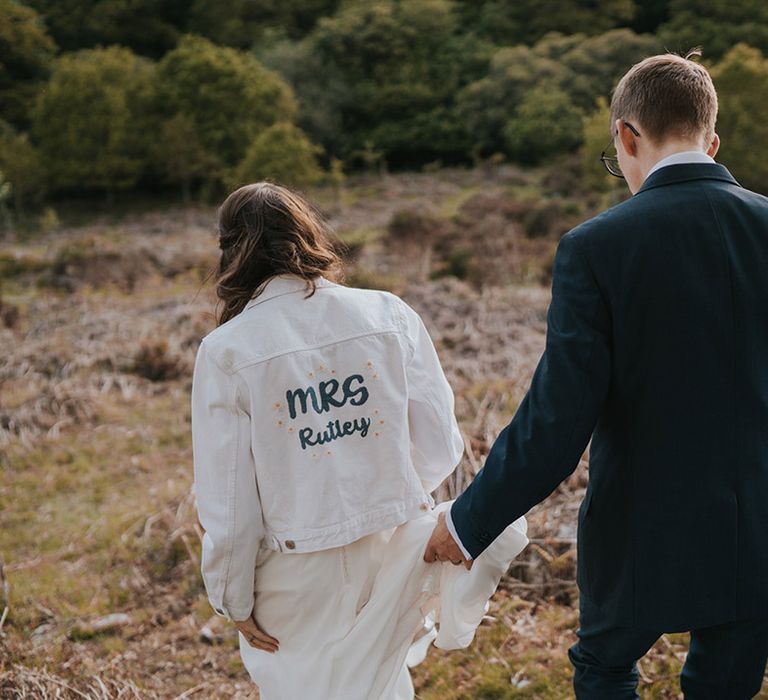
290 544
424 506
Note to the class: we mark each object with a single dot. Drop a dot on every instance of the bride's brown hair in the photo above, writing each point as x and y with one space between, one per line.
267 230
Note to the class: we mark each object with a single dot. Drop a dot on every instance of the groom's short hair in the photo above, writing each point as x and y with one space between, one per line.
669 96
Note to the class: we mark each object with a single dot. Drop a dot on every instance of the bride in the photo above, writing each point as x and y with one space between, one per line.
321 423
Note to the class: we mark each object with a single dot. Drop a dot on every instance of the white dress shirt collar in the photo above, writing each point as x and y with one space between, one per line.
681 157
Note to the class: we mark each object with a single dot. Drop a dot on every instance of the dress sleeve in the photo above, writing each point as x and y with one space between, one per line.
436 442
228 504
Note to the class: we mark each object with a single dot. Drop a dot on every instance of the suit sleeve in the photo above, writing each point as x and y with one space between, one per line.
436 442
225 486
552 427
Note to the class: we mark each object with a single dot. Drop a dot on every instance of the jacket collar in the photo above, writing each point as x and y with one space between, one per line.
285 284
684 172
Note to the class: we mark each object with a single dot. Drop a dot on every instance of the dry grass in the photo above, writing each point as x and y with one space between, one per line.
96 515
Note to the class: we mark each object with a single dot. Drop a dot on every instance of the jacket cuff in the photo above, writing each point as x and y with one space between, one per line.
472 537
232 614
452 529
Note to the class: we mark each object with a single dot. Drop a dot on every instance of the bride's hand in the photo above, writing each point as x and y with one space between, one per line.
256 637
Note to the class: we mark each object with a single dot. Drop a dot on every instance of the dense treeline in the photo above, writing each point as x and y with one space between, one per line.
118 94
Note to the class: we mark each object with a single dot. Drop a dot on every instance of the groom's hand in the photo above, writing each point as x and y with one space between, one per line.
442 546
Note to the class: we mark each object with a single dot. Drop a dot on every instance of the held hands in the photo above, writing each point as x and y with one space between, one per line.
257 638
442 546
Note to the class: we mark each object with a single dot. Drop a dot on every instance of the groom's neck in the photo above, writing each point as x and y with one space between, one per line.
654 153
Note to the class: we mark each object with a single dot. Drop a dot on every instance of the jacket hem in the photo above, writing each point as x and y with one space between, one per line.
341 534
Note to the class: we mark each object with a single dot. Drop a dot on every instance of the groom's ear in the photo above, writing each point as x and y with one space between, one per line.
627 138
712 150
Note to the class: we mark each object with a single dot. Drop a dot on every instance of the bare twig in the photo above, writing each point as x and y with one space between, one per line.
5 593
192 691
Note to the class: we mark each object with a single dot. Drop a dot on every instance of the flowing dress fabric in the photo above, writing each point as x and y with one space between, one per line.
347 617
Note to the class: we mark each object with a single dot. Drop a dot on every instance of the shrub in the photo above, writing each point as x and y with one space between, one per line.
281 153
484 245
382 77
48 221
154 361
9 314
414 226
529 104
228 96
458 263
596 135
741 79
715 25
413 233
550 218
89 120
27 52
180 156
481 205
565 177
485 106
21 165
545 123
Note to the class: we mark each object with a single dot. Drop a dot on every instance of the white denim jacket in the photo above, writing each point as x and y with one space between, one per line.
315 421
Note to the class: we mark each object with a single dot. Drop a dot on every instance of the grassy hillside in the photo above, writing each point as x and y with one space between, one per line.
99 324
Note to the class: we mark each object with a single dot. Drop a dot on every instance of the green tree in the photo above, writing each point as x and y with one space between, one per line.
555 45
320 88
741 79
487 104
180 156
282 153
148 27
597 63
385 73
26 51
153 27
244 23
716 25
21 165
545 123
228 96
580 67
649 15
88 122
595 135
526 21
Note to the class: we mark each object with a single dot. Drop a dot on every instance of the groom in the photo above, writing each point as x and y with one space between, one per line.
657 348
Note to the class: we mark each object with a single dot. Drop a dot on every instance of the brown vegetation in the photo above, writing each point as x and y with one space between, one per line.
97 518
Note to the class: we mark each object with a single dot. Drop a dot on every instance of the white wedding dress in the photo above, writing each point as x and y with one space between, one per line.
351 620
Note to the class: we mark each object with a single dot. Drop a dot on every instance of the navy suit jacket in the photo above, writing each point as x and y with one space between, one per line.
657 349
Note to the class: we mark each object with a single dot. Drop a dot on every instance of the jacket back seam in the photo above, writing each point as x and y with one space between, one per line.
300 348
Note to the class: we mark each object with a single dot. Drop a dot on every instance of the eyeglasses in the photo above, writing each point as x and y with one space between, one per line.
611 162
